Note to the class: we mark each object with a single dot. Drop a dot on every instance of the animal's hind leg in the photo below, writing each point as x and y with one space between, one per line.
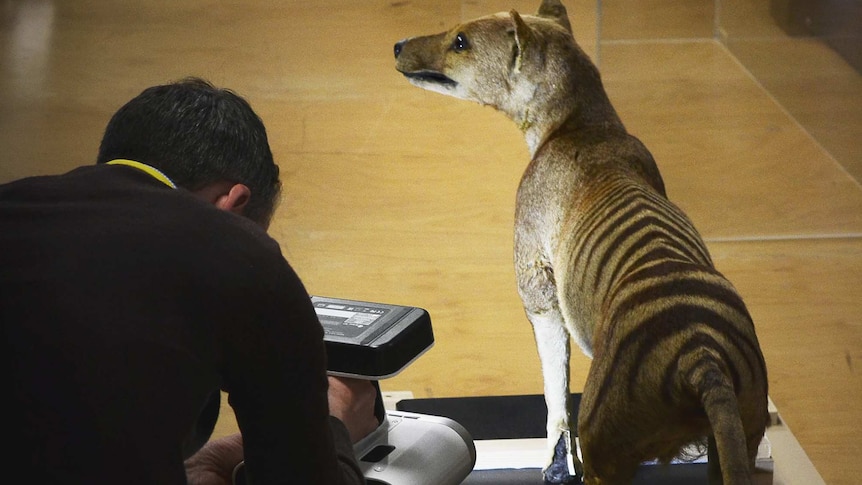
606 425
552 341
713 466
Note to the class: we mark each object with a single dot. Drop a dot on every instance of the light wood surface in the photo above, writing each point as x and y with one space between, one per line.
397 195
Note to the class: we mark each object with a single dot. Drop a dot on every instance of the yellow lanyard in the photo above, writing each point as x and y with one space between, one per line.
146 168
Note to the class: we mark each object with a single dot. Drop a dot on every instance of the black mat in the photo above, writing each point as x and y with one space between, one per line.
523 416
689 474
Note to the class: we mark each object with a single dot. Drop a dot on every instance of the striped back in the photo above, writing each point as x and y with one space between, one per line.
644 272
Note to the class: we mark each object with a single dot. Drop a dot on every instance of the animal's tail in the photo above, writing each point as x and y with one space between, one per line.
708 377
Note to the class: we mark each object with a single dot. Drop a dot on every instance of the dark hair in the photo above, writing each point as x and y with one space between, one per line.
197 134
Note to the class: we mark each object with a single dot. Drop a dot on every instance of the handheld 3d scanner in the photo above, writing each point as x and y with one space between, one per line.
376 341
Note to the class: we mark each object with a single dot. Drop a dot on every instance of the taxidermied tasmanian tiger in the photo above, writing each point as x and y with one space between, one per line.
602 257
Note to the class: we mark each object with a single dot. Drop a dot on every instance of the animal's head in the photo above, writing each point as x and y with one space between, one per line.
527 66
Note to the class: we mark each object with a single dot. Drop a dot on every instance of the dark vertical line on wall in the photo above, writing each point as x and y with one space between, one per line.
598 59
716 21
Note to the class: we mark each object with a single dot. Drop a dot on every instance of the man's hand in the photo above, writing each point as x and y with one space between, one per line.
214 463
352 401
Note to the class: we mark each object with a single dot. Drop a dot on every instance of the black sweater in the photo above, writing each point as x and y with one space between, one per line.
126 306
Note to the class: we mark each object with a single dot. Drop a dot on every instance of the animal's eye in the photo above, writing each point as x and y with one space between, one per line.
460 43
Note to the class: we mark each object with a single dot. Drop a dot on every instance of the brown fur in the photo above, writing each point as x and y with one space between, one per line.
675 356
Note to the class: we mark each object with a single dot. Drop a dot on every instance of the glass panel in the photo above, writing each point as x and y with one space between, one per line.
806 54
803 52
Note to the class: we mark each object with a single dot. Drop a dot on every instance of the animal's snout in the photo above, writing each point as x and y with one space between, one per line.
398 46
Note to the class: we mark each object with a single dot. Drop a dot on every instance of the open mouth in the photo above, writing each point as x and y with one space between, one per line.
430 77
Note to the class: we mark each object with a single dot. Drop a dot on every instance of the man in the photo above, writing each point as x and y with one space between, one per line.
134 290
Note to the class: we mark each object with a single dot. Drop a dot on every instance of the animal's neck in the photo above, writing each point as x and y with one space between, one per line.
580 104
536 136
538 127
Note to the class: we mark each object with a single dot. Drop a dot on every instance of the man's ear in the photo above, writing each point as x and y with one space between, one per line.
225 195
235 199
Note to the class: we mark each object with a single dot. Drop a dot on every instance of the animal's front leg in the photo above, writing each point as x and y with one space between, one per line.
552 341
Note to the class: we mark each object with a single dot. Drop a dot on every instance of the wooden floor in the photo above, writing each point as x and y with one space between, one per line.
397 195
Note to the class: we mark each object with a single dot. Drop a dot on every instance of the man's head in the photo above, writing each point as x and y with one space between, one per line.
205 139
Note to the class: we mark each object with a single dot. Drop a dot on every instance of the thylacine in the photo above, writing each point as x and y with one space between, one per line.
603 257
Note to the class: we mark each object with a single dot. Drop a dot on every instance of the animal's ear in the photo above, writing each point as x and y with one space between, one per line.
556 11
523 38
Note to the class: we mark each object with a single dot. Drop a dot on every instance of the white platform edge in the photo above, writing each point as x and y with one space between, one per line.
791 465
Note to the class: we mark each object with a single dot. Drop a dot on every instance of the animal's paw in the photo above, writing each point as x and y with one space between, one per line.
560 469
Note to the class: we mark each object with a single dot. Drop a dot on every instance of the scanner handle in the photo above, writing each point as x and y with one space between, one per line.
379 407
